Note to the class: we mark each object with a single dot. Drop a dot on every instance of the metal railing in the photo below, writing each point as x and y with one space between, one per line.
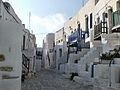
74 36
25 62
99 29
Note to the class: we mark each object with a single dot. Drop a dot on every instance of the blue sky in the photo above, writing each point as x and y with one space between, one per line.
46 15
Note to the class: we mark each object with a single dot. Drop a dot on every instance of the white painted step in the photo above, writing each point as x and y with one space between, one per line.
77 56
83 81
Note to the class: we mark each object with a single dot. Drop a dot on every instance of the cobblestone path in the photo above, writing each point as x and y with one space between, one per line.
50 80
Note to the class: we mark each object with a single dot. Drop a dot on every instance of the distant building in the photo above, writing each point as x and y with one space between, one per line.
39 53
60 48
48 48
39 56
29 52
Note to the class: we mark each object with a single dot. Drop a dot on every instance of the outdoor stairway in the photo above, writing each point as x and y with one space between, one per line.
107 78
71 66
83 67
25 65
112 39
77 56
62 62
89 57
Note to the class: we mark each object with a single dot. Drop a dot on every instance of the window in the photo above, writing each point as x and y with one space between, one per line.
98 20
96 1
61 40
50 50
23 42
86 26
60 52
90 20
118 4
71 32
74 30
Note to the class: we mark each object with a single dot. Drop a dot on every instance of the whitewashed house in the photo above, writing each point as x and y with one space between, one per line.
10 48
48 48
60 51
29 52
99 20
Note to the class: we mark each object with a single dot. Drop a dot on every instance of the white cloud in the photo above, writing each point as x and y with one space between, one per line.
46 24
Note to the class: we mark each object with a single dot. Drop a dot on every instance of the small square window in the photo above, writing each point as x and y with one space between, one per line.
96 1
90 20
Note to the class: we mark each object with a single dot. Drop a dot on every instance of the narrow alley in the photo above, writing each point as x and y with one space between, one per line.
50 80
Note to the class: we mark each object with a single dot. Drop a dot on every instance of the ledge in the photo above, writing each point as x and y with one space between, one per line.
9 77
6 68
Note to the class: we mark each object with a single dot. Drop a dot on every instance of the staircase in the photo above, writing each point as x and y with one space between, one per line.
110 41
25 65
83 67
71 66
74 56
89 57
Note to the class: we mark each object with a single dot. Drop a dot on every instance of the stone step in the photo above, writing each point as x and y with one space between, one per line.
67 76
77 56
83 80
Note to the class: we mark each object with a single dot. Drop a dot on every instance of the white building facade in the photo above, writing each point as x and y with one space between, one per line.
99 20
29 52
10 48
60 51
48 48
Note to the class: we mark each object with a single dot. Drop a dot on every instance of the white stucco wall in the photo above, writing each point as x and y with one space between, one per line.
9 15
47 46
10 46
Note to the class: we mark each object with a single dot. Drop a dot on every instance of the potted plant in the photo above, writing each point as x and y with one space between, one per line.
111 55
116 55
106 58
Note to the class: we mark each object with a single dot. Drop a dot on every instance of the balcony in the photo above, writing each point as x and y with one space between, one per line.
73 38
77 40
116 21
99 29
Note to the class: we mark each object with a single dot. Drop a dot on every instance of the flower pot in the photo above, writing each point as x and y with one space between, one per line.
105 61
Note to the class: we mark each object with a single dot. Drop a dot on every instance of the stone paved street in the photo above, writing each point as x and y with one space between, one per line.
50 80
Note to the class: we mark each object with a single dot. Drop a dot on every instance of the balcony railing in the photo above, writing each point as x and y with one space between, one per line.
116 18
25 62
99 29
73 37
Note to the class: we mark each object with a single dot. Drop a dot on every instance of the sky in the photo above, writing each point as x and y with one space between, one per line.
47 16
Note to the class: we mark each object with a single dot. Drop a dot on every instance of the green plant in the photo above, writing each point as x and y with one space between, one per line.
106 56
115 53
